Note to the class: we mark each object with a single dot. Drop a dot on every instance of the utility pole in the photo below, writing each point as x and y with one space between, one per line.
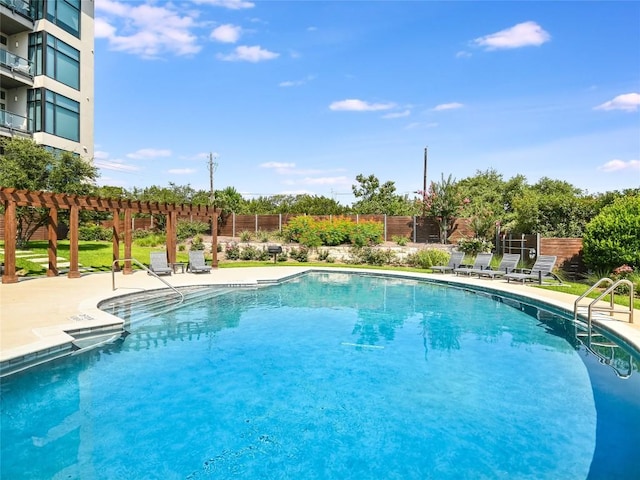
424 183
212 168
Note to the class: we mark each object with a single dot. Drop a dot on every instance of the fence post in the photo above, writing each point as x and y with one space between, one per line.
415 225
538 252
385 227
280 222
233 224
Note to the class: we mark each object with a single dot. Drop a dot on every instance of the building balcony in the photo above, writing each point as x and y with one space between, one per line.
15 71
12 124
16 16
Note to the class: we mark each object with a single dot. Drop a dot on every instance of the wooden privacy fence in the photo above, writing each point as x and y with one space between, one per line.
416 229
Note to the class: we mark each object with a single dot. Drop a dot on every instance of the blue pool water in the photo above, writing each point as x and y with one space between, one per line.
329 376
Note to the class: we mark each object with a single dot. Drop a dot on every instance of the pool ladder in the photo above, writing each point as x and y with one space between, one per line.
611 308
144 267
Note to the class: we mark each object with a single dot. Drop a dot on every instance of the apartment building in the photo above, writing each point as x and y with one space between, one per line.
47 73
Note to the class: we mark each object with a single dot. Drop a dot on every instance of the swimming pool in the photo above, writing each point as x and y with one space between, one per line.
329 376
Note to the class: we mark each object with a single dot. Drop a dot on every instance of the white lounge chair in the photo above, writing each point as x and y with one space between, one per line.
454 262
197 263
508 264
158 263
542 269
481 262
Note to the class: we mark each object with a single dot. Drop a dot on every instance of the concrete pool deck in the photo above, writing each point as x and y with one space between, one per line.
41 317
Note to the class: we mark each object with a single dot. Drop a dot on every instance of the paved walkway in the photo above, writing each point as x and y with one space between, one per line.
35 314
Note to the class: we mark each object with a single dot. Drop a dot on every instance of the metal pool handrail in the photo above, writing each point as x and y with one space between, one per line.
144 267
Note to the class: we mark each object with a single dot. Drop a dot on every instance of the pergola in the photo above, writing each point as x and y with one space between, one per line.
13 198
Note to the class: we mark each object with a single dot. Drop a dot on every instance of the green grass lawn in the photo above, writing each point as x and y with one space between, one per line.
98 256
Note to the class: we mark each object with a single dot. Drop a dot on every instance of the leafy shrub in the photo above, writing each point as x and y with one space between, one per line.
427 258
232 251
182 247
197 243
367 233
474 246
190 228
323 255
297 227
154 240
249 252
314 233
94 233
371 256
400 240
142 233
263 236
282 257
612 238
246 236
300 254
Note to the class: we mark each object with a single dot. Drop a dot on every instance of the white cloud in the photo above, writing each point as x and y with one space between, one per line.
146 153
404 113
447 106
199 156
181 171
296 83
230 4
116 165
102 29
617 165
463 54
521 35
342 180
629 102
355 105
248 54
146 30
277 165
226 33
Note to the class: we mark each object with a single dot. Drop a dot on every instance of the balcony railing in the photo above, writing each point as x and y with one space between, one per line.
16 63
22 7
14 121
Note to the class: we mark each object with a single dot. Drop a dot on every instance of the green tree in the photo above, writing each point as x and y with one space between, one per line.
376 198
442 202
553 208
26 165
612 238
229 200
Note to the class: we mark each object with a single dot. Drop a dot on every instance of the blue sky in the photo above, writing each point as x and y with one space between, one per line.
302 96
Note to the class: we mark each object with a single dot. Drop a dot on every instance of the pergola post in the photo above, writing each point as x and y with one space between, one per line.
127 241
52 235
74 220
214 239
10 232
172 221
116 239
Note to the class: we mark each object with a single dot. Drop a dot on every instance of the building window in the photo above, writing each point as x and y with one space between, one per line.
64 13
59 61
53 113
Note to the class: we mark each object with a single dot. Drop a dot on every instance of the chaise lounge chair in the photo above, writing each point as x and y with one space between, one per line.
508 264
542 269
158 263
454 262
197 263
481 262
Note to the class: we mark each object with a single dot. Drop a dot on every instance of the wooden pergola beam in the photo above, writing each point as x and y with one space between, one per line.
13 198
